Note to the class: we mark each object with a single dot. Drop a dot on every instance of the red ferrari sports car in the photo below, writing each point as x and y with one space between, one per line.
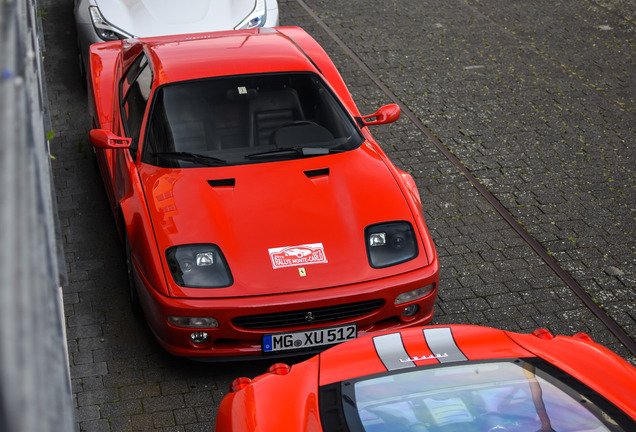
258 214
442 379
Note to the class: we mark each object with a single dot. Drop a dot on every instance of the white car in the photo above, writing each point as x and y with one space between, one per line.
108 20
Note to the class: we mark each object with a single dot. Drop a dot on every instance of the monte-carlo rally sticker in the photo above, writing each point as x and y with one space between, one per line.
293 256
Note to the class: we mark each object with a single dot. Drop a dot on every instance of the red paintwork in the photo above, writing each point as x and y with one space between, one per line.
386 114
595 365
261 187
476 343
271 204
293 408
275 403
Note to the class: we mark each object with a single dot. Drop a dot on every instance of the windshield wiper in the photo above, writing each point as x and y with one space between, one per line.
287 151
192 157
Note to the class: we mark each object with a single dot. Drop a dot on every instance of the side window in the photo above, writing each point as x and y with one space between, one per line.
135 88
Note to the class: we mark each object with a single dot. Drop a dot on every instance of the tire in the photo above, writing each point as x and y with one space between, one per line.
132 286
82 69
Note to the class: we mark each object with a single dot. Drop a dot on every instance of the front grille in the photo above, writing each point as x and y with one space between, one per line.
296 318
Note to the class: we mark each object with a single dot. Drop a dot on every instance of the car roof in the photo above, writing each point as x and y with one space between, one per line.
574 355
204 55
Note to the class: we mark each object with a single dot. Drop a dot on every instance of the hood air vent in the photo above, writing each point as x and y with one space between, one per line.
230 182
317 172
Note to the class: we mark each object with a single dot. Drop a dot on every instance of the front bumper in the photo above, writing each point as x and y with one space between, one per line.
230 341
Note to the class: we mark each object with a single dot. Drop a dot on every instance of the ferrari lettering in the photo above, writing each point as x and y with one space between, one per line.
393 354
416 358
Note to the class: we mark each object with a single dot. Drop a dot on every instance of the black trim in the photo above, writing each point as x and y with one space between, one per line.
332 417
222 182
598 405
294 319
412 237
317 172
304 53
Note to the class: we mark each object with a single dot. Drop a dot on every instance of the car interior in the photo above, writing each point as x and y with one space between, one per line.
246 119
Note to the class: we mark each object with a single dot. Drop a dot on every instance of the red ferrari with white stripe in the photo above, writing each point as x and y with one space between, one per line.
258 214
455 378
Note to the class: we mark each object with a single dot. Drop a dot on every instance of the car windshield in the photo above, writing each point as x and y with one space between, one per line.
246 119
502 396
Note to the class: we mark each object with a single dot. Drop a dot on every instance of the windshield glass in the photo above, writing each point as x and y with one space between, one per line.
502 396
246 119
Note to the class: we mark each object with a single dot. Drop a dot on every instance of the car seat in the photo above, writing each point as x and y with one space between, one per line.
271 109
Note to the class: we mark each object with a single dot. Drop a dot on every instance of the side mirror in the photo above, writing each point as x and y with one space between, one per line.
386 114
105 139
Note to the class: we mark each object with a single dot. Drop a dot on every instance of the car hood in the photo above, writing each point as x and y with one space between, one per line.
282 226
144 18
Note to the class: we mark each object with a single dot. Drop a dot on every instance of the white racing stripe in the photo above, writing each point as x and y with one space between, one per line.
391 351
442 344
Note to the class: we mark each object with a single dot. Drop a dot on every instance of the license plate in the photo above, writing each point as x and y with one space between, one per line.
309 338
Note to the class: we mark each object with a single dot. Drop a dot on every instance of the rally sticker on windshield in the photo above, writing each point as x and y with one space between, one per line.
293 256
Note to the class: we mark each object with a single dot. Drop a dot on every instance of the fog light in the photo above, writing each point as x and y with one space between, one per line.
414 295
410 310
198 337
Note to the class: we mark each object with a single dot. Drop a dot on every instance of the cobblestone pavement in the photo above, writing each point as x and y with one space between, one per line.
536 99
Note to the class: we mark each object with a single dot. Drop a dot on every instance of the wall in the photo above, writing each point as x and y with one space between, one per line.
35 393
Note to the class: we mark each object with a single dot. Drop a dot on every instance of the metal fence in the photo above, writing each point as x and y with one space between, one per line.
35 391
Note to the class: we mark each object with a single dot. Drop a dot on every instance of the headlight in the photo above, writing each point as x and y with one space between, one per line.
390 243
103 28
256 18
198 266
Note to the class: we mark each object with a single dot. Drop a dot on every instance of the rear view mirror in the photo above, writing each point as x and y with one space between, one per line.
384 115
105 139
